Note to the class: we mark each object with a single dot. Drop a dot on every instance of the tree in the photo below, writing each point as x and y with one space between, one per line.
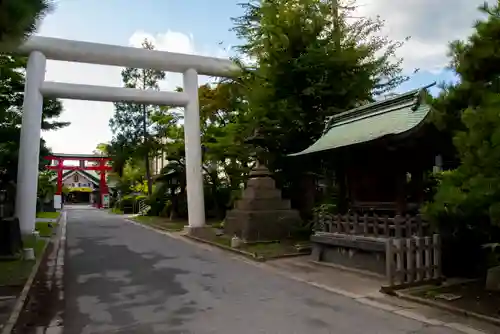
225 157
11 101
309 65
46 187
131 123
465 207
19 19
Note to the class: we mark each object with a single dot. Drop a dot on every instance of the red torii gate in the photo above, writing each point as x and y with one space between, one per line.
82 158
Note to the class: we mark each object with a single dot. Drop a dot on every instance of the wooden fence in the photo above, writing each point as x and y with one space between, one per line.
372 225
413 260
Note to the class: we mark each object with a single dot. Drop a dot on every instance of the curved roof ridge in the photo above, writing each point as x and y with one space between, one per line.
393 116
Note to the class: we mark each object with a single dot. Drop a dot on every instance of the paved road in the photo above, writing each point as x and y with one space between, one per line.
121 278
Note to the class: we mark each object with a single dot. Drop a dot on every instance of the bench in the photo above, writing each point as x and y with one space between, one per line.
366 253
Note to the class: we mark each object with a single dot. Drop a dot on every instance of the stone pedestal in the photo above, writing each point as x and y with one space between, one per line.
493 279
10 237
261 214
203 232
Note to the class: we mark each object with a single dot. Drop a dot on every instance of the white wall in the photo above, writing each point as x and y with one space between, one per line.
82 180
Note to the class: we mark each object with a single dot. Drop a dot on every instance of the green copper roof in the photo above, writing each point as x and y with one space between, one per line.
392 116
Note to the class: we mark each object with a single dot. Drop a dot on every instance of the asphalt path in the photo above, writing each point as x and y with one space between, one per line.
122 278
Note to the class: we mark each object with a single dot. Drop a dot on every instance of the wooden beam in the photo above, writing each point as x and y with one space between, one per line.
95 168
77 158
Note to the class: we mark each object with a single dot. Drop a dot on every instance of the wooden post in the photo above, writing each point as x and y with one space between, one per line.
60 166
333 223
420 231
347 224
410 260
400 276
428 259
436 241
389 261
419 259
375 225
326 222
355 224
365 224
408 222
397 226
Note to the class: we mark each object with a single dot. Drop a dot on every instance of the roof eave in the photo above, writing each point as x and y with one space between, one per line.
312 149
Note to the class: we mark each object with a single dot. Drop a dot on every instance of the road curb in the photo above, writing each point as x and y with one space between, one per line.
361 299
448 308
251 256
21 300
57 324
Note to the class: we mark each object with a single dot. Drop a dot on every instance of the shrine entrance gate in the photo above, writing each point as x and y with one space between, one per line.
102 167
39 49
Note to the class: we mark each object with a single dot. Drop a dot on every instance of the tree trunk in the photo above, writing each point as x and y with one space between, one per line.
146 155
148 174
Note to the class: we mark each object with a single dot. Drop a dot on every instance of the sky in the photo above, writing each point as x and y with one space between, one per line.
203 27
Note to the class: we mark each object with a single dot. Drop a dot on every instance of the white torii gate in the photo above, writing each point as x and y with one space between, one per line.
40 49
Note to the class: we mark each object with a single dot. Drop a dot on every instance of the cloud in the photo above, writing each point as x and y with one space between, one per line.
89 120
430 24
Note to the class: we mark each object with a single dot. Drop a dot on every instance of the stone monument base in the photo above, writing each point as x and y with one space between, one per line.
204 232
261 214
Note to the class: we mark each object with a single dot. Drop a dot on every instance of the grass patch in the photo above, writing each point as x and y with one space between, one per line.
470 296
262 249
116 211
16 272
48 215
46 229
162 223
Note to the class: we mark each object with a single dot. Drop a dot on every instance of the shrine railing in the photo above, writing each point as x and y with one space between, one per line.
372 225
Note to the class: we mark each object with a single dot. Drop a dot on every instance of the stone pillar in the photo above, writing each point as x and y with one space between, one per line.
29 147
192 134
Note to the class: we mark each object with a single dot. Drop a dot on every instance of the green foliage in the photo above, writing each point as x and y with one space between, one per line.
473 189
306 71
129 203
19 19
326 208
46 188
11 100
465 208
132 123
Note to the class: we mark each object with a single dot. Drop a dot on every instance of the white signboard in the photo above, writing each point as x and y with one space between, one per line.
105 201
57 202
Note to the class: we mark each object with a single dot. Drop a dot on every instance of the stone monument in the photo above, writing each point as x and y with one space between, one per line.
261 214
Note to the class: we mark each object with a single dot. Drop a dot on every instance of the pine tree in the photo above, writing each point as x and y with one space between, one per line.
466 205
19 19
310 63
12 79
132 123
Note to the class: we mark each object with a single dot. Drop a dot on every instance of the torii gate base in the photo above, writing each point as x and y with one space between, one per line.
60 167
39 49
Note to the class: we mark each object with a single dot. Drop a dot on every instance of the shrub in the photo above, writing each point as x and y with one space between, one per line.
462 212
